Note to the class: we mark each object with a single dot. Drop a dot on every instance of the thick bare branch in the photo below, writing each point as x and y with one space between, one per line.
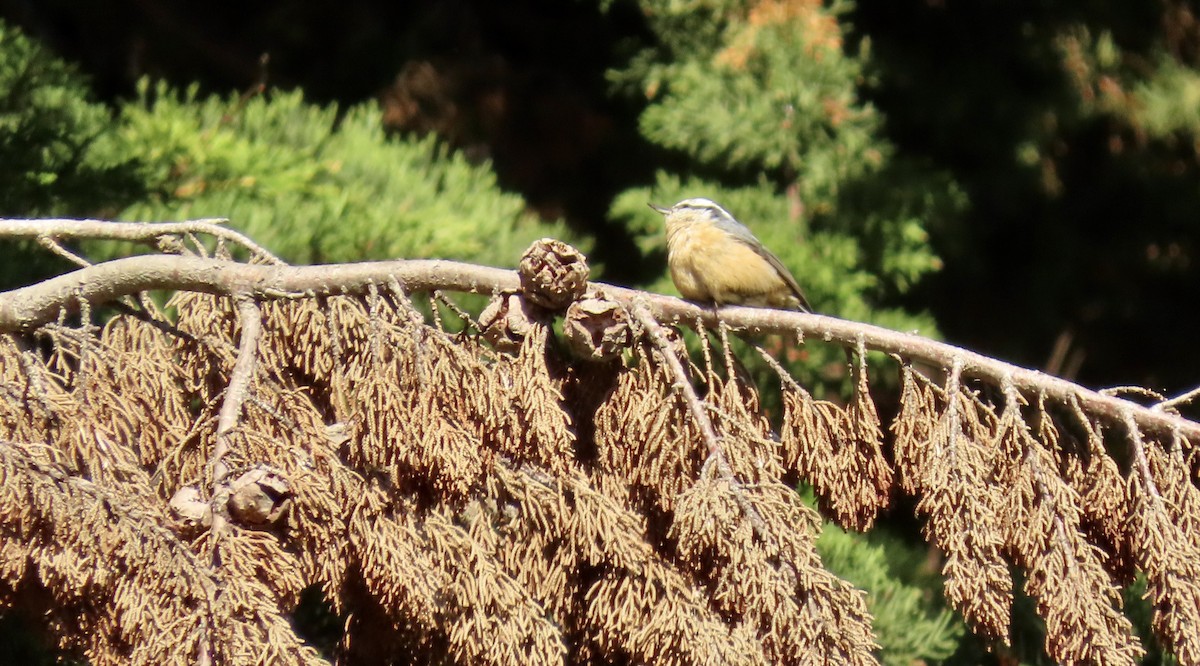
25 308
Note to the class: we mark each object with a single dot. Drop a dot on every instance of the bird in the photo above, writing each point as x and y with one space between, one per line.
715 259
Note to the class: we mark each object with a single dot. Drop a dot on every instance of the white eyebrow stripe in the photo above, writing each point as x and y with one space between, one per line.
702 203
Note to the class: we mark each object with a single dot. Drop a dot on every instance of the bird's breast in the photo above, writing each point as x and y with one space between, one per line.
708 264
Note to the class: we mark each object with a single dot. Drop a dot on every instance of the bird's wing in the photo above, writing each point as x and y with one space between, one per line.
743 234
787 277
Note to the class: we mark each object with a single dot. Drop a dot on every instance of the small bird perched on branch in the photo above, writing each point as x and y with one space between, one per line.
714 258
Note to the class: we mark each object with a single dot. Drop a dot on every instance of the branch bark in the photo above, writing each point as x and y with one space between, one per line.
27 307
130 231
236 394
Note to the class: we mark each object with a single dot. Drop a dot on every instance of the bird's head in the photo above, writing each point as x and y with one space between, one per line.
696 210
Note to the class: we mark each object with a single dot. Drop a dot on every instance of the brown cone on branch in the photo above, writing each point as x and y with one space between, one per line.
597 329
553 274
508 320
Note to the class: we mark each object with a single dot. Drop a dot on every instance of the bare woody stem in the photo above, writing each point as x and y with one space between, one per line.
236 395
642 313
28 307
1182 399
47 231
1139 457
250 318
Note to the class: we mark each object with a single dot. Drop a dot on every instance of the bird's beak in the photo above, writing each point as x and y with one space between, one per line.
658 208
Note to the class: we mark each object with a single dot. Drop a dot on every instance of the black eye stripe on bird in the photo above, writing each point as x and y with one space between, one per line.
713 258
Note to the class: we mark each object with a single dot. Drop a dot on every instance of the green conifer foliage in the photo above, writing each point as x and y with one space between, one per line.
310 182
761 98
911 618
316 186
48 126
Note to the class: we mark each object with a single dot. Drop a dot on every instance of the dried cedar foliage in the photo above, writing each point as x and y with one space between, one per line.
838 450
1042 524
1164 537
454 502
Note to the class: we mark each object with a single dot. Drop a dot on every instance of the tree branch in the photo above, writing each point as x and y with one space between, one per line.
50 229
236 394
250 318
1181 399
28 307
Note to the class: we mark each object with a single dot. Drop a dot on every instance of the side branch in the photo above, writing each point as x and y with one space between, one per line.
240 379
236 394
28 307
59 229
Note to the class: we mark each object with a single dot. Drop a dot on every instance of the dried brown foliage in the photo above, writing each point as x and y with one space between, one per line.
944 456
459 502
838 450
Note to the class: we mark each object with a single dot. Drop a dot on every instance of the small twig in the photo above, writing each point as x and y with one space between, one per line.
405 303
35 380
376 326
250 318
1139 456
419 330
150 307
952 417
257 88
200 249
1182 399
58 332
221 251
87 337
280 295
784 375
55 229
1116 391
462 314
1060 527
710 371
727 349
659 338
269 409
1095 437
437 315
859 374
57 248
149 318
